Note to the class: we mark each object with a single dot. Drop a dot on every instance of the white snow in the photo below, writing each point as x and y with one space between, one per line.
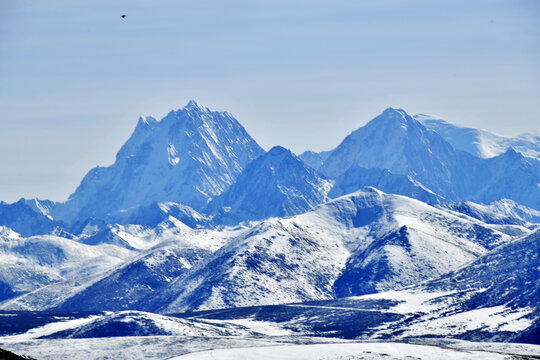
482 143
491 319
410 302
342 352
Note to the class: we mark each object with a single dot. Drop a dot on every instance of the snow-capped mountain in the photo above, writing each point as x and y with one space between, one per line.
28 264
26 219
393 141
402 145
393 240
276 184
188 157
481 143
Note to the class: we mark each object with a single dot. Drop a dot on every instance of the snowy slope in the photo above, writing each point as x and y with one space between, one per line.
365 242
275 184
27 264
356 178
188 157
481 143
327 252
136 323
508 276
493 298
275 261
498 212
409 241
171 248
128 286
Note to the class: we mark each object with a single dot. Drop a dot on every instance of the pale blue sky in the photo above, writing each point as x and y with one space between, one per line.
74 76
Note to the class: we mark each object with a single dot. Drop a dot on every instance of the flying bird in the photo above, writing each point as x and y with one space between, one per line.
124 16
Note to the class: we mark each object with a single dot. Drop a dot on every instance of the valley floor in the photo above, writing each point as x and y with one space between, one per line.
181 347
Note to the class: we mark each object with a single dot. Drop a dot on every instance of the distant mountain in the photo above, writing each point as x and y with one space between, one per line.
27 264
276 184
155 213
190 156
40 206
506 176
27 218
402 145
498 212
314 159
482 143
396 142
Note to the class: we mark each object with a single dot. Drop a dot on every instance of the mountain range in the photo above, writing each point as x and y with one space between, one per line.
195 219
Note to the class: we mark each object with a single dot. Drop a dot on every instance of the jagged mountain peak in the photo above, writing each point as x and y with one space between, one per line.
192 104
147 121
192 111
392 117
188 157
393 140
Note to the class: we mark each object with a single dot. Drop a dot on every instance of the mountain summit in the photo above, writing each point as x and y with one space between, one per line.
189 156
276 184
421 163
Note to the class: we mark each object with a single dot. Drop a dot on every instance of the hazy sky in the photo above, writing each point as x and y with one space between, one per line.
75 76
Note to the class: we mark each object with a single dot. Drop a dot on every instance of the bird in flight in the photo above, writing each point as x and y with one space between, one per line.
124 16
